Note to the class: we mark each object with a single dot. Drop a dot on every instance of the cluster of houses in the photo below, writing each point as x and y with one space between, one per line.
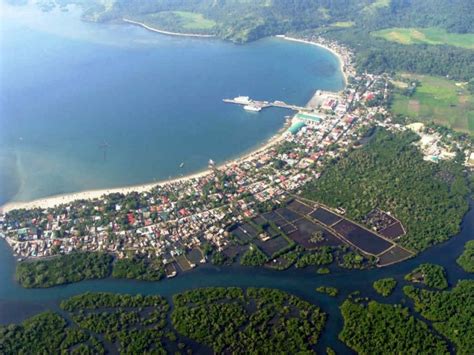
172 218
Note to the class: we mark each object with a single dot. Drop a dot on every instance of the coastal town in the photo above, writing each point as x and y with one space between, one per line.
175 221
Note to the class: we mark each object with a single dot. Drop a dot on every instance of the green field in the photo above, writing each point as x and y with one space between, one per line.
179 21
432 35
377 5
439 100
194 21
343 24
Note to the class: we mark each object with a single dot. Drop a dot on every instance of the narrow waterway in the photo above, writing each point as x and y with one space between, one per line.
17 303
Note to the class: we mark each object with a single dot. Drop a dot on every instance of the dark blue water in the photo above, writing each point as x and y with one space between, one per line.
70 88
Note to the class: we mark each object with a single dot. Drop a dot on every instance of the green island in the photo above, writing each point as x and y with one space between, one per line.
466 259
431 275
385 286
230 320
387 329
224 319
451 312
330 291
323 271
63 269
389 173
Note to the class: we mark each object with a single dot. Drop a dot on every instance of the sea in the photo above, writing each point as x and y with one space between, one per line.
87 106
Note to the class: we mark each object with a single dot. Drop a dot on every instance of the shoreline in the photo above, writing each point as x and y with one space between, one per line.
169 33
55 200
342 64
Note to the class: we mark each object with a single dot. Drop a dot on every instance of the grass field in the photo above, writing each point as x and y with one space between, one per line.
377 5
179 21
343 24
434 36
194 21
439 100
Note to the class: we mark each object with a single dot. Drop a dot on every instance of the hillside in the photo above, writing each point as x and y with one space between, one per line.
444 48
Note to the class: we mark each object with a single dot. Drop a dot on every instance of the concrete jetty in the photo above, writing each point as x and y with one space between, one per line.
255 105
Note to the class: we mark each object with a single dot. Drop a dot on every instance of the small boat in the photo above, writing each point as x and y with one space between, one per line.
181 165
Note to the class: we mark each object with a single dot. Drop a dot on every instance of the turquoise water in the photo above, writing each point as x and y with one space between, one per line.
70 88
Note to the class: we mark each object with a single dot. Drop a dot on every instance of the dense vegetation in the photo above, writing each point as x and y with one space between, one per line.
321 256
63 269
225 319
349 22
253 257
137 324
377 55
258 320
378 328
451 312
46 333
385 286
390 173
236 20
430 275
139 268
466 259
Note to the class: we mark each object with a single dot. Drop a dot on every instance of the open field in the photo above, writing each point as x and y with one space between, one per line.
439 100
377 5
178 21
343 24
194 21
432 35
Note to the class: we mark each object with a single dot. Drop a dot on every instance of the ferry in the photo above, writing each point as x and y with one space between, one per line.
242 99
252 108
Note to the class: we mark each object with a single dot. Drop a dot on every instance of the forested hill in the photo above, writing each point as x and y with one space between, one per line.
355 23
256 18
453 15
238 20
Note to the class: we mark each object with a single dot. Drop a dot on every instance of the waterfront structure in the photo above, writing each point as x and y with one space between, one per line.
170 218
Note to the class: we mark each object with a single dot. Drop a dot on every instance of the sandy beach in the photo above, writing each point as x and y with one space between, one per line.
166 32
49 202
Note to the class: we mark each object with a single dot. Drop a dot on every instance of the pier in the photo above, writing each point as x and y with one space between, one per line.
256 106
